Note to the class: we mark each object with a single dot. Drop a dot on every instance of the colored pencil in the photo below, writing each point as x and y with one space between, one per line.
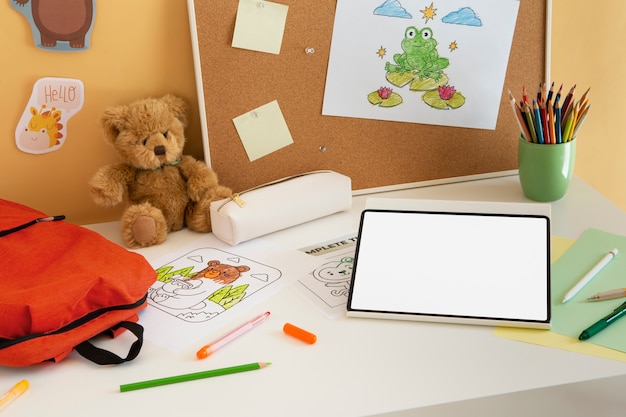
568 100
580 121
544 122
194 376
574 121
568 127
548 119
552 124
583 99
558 95
529 121
550 93
557 122
538 122
519 117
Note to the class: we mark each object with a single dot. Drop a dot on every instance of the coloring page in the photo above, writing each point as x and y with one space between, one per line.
202 286
432 62
327 286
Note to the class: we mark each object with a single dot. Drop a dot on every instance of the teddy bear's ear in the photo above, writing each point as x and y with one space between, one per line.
177 106
113 122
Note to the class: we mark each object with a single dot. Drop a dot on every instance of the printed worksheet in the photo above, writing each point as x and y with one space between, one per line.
200 287
327 285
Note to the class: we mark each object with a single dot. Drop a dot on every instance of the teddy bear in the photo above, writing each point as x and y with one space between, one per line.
165 190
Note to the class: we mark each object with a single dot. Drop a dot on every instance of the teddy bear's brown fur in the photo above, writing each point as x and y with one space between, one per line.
165 189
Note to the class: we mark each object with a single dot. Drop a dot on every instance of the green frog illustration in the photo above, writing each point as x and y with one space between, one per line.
420 55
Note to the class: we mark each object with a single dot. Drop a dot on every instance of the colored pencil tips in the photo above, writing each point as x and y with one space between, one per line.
550 118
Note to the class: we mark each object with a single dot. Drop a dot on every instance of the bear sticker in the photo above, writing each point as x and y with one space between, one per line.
206 282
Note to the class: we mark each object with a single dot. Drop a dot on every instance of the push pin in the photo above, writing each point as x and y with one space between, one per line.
310 51
322 148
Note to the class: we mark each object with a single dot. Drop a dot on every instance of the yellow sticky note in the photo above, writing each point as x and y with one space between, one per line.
263 130
260 26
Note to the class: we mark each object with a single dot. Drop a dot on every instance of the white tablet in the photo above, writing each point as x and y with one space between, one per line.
475 268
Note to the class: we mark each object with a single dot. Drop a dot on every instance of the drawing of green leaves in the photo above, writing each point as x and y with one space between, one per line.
227 296
165 273
393 100
433 100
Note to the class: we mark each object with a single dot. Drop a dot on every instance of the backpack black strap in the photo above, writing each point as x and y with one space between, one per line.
104 357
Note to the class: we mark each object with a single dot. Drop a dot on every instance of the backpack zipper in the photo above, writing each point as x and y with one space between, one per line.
5 343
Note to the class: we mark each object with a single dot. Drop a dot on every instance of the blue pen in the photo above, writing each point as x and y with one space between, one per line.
603 323
538 122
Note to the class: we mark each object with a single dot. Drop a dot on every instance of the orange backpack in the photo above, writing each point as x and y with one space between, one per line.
61 285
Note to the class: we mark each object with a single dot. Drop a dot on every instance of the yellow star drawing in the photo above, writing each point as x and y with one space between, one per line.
429 13
453 46
381 52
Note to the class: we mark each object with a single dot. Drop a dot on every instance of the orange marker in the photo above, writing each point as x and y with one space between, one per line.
299 333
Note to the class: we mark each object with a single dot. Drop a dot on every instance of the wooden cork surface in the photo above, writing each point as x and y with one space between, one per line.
373 153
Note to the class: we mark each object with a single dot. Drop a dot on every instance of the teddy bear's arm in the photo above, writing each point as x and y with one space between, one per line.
108 185
201 180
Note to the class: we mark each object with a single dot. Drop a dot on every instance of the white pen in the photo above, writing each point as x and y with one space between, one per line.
589 275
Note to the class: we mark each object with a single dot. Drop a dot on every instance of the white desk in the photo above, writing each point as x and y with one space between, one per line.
358 367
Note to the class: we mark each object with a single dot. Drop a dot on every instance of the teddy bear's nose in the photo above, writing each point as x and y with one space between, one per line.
159 150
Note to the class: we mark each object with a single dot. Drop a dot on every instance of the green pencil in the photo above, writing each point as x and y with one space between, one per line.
194 376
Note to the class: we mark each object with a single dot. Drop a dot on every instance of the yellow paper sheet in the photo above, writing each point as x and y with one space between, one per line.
263 130
552 339
260 26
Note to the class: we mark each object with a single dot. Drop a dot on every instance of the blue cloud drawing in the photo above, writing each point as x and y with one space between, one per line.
392 8
463 16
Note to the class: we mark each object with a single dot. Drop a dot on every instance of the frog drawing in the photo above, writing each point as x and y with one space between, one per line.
420 55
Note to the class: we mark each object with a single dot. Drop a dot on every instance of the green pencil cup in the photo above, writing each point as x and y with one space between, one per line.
545 170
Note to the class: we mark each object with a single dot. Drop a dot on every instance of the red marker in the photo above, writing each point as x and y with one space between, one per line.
299 333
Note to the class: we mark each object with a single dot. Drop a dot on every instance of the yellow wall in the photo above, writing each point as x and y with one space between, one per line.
142 48
588 50
139 48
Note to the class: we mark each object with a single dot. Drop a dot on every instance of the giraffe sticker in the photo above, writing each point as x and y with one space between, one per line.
43 125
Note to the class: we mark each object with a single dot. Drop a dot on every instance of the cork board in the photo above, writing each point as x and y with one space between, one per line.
373 153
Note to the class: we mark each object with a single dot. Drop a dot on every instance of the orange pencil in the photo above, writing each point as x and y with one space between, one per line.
584 111
584 97
584 100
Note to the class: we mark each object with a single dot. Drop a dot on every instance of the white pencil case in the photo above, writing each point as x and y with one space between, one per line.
280 204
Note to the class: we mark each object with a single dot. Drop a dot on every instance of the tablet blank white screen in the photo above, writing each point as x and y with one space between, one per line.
453 264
